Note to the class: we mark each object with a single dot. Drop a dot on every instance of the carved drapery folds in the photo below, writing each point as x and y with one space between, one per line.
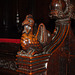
36 49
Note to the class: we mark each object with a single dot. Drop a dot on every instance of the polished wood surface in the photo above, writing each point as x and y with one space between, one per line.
31 52
61 60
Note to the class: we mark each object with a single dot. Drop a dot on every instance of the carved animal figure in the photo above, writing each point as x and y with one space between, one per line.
34 42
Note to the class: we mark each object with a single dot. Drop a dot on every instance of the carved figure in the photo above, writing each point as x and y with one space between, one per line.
33 59
30 43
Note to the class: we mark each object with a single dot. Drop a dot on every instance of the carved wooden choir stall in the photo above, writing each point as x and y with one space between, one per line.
36 50
42 53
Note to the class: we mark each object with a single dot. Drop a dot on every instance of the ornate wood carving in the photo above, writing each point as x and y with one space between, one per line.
36 49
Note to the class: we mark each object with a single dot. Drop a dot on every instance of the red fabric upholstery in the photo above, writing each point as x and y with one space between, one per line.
6 40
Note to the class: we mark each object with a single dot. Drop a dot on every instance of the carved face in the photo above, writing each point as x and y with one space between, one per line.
28 21
57 8
28 24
